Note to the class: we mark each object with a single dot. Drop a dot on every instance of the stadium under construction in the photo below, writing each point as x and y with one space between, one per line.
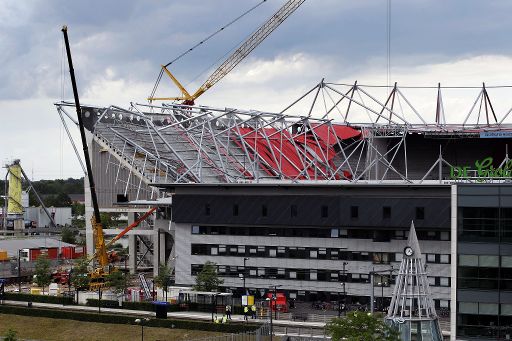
312 201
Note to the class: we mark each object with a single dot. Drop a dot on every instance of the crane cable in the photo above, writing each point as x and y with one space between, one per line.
184 53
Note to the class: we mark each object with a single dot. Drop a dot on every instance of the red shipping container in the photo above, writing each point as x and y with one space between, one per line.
67 252
51 253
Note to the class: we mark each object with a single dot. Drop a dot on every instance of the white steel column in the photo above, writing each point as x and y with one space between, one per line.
453 298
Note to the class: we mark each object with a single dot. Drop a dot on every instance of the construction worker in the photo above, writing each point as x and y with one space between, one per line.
246 312
228 311
253 311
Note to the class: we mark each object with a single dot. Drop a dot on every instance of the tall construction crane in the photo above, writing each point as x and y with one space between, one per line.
236 57
97 276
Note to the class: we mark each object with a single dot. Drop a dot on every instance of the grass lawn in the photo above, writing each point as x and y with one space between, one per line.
42 328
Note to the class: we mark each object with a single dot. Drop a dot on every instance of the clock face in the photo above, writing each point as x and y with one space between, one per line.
408 251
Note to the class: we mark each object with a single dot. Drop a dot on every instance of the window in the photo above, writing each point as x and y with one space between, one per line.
324 211
398 256
293 211
292 274
214 251
261 272
252 272
400 234
386 212
354 212
272 252
222 248
431 258
253 250
335 233
241 249
313 275
313 254
445 236
444 304
264 211
235 210
420 213
195 229
380 258
207 210
444 281
444 259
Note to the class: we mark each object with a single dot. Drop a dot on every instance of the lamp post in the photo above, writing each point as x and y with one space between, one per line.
245 273
344 291
214 303
275 300
372 274
19 271
271 325
141 321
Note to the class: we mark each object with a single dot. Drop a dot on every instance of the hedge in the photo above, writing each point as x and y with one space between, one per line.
10 296
124 319
92 302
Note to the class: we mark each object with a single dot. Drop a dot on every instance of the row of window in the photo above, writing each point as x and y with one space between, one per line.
488 224
323 212
486 272
487 320
309 275
306 253
351 233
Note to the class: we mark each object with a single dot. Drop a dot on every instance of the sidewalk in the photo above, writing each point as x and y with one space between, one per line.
185 315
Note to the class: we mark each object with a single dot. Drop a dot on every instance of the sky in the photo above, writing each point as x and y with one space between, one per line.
118 47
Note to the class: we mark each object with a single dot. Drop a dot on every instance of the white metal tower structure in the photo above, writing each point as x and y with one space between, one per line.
412 308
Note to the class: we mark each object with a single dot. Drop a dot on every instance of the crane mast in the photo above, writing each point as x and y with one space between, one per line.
236 57
101 252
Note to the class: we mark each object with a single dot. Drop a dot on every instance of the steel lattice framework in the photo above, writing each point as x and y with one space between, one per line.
172 143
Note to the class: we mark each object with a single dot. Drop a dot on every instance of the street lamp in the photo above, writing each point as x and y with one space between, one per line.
141 321
19 271
244 274
344 291
214 303
372 274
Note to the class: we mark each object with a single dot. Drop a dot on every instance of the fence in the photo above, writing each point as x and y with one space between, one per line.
261 334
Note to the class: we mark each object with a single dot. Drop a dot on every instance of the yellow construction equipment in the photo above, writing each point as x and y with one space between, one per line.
236 57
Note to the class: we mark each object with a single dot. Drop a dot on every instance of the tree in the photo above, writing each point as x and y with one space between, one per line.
68 236
359 326
42 271
78 209
164 277
208 279
80 274
118 281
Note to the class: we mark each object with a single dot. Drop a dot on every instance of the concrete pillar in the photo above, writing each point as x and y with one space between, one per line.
132 246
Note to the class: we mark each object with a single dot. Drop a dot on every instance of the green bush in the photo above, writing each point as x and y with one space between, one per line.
125 319
9 296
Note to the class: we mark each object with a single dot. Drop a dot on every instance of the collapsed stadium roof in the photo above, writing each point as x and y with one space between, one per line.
172 143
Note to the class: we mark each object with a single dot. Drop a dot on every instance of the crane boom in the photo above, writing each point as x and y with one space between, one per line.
238 55
101 251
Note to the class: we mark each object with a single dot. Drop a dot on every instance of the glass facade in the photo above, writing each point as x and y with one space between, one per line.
484 262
